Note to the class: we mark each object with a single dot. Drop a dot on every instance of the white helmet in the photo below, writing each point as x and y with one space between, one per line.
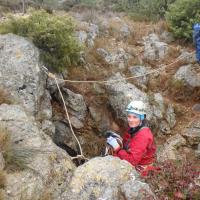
137 107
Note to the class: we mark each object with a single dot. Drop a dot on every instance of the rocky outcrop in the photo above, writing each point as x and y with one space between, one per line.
122 92
119 58
22 75
189 74
46 165
192 133
137 70
76 105
153 48
107 178
169 150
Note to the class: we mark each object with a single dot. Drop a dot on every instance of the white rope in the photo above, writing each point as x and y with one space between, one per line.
67 114
162 67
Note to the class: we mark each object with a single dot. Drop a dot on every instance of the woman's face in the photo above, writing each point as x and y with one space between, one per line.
133 120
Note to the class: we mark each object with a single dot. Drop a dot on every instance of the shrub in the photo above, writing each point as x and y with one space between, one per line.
176 180
144 9
181 16
53 35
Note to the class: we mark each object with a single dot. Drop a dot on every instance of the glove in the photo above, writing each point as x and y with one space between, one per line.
112 134
113 142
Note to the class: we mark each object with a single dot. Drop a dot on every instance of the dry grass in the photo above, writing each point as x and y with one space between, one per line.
2 179
16 158
46 195
4 96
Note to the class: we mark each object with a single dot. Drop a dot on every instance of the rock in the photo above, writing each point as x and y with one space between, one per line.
153 48
74 102
48 127
47 166
189 75
22 75
167 37
164 127
63 135
105 55
101 118
76 123
93 180
92 34
2 162
82 37
196 107
170 116
187 57
169 150
124 32
192 133
159 101
120 58
139 71
120 95
51 84
197 152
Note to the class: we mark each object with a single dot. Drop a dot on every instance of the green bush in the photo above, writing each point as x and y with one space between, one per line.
181 16
53 35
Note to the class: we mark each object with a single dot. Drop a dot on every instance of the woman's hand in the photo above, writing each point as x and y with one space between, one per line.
113 142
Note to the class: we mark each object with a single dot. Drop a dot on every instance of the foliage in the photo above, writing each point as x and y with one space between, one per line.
176 180
144 9
53 35
181 16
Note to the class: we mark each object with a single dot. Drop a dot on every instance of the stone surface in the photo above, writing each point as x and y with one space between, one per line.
189 74
2 162
192 133
46 166
22 74
107 178
153 48
139 71
169 150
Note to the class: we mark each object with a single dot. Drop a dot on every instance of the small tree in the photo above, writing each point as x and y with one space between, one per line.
181 16
53 35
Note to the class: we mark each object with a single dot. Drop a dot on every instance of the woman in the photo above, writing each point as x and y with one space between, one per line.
138 142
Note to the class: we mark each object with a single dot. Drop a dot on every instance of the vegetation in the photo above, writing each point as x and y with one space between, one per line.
181 16
175 180
15 157
53 35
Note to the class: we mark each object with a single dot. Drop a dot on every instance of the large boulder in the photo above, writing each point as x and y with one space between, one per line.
169 150
107 178
192 133
189 74
76 105
46 165
22 75
122 92
138 70
153 48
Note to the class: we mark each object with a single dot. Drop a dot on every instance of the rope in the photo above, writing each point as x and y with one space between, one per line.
67 114
162 67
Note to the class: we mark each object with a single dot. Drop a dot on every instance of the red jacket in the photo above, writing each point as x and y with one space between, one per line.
140 148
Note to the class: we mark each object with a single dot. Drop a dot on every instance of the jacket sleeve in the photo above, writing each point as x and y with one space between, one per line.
137 149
